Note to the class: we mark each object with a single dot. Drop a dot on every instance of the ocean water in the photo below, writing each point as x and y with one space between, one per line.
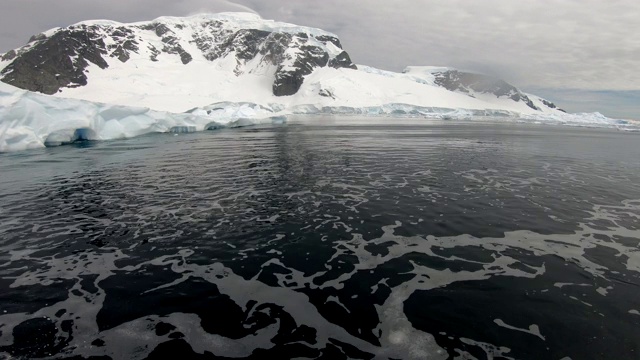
325 238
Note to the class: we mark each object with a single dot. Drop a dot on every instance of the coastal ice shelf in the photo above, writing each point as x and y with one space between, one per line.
30 120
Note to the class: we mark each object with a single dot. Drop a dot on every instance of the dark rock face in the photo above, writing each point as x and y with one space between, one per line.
37 37
551 105
326 39
48 64
171 44
272 48
290 78
125 44
469 83
326 93
58 61
10 55
246 44
342 60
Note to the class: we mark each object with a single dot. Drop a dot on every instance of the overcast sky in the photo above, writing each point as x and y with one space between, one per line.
559 48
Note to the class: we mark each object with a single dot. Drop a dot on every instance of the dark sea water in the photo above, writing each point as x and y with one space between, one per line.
325 238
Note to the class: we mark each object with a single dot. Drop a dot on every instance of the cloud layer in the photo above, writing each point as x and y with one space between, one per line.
586 44
561 44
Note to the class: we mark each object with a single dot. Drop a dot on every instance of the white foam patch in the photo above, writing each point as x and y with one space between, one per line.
398 338
533 329
561 285
491 351
604 291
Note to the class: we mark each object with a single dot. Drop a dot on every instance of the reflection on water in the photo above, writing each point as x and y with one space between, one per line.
326 238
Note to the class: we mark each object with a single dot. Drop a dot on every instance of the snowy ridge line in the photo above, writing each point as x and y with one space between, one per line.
240 20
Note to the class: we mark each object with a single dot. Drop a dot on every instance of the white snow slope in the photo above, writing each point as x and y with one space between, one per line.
153 96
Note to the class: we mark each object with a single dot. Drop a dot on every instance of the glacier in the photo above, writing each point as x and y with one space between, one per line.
31 120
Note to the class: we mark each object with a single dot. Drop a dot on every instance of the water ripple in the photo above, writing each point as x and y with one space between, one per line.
317 240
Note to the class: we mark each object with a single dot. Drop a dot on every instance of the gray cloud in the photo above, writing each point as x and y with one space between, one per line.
560 44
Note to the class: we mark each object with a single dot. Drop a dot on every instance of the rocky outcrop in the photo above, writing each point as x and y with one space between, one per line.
294 55
59 61
290 74
50 63
551 105
10 55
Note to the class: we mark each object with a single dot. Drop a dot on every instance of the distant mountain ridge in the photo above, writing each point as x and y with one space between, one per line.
476 85
471 83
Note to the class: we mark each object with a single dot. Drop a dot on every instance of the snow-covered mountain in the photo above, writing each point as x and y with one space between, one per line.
104 80
176 64
242 43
